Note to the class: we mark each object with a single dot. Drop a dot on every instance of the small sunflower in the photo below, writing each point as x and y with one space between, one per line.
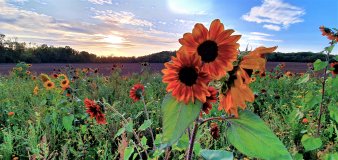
289 74
217 48
136 92
44 78
94 110
28 72
234 94
207 106
36 90
325 31
49 85
185 79
334 65
64 83
214 130
255 60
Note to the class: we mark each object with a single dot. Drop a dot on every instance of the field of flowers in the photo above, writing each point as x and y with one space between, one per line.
204 105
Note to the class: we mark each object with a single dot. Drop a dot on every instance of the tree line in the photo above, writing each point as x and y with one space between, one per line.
12 51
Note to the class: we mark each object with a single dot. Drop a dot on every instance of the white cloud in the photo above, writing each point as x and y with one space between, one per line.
260 34
123 17
272 27
275 12
101 2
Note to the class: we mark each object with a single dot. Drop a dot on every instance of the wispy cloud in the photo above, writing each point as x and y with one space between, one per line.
101 2
275 14
272 27
122 17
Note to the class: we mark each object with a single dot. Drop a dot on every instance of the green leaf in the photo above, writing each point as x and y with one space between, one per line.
129 127
119 132
333 109
310 143
331 156
298 156
216 155
311 100
319 65
304 79
128 152
67 122
146 124
250 135
329 49
144 141
177 116
83 129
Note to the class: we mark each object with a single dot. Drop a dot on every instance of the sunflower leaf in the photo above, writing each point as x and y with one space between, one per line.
250 135
177 116
311 143
146 124
67 122
216 155
319 65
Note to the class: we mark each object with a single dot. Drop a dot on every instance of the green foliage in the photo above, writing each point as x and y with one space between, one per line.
319 65
217 155
311 143
146 124
176 118
251 136
67 122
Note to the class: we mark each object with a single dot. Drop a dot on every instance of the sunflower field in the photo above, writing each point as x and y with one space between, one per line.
209 102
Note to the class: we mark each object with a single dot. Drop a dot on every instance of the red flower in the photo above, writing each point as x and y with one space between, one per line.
94 110
136 92
305 120
334 65
11 113
210 99
214 130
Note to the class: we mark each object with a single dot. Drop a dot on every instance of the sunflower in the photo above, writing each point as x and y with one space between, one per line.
217 47
64 83
325 31
334 65
36 90
136 92
28 72
234 94
210 99
289 74
55 75
94 110
44 77
49 85
255 60
185 79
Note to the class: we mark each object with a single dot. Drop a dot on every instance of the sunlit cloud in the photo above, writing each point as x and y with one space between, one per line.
275 14
196 7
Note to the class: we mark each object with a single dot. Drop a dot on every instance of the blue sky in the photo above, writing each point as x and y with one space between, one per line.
140 27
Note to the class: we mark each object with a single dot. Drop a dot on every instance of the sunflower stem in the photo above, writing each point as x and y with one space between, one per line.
192 140
321 111
147 114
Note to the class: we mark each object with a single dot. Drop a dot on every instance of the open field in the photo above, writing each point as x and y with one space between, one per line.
129 68
53 123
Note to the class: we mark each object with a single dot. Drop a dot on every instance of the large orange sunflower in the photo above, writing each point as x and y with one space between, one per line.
255 60
185 79
217 47
234 94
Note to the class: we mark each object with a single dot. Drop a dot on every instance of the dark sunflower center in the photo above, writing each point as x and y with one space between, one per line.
335 68
208 50
93 110
188 76
139 93
64 82
49 84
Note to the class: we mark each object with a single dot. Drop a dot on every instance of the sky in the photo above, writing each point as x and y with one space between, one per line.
141 27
